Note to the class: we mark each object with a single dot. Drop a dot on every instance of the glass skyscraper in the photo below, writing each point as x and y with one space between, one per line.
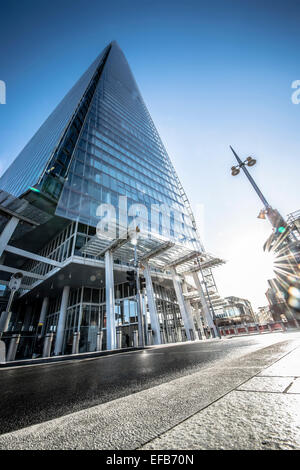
100 147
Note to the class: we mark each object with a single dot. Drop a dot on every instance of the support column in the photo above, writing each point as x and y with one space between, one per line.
155 325
199 323
42 319
27 318
188 324
110 302
61 321
189 310
204 305
7 233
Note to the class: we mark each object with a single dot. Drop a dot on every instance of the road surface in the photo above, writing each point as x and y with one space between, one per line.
35 394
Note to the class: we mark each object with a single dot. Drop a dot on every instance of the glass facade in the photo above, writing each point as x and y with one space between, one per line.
86 314
98 144
119 153
28 167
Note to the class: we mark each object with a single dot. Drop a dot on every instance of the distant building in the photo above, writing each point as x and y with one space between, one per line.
264 315
279 308
283 293
236 311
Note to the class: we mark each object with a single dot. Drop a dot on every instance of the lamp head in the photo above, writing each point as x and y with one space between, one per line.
262 214
235 170
250 161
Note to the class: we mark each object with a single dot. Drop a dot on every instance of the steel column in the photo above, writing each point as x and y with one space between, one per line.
43 314
181 303
204 305
61 321
7 233
155 325
189 310
110 301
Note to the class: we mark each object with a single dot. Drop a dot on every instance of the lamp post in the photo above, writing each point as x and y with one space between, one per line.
14 285
281 230
249 162
276 220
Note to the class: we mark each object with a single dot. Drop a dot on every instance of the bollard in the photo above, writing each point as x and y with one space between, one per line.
119 339
283 326
99 340
47 344
163 337
13 346
179 335
135 339
2 351
75 345
149 338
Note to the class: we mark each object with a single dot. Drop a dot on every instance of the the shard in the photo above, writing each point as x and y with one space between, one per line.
99 154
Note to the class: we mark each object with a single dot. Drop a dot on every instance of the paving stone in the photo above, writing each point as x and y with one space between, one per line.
240 421
288 366
295 388
267 384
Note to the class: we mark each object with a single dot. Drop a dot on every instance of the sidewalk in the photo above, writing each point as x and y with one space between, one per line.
261 413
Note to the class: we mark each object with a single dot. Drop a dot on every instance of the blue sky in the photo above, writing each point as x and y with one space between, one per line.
212 73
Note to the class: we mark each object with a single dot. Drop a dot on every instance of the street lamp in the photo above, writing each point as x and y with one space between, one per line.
14 286
281 231
236 169
249 162
276 220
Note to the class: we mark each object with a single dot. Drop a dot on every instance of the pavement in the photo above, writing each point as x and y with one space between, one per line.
261 413
246 397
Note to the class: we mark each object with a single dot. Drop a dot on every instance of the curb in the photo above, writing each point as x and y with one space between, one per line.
71 357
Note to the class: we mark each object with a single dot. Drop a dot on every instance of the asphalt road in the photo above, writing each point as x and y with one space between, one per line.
34 394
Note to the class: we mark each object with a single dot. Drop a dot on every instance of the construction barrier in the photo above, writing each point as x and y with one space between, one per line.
252 329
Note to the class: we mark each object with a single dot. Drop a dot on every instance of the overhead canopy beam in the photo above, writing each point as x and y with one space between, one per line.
157 251
115 244
33 256
183 259
18 216
207 264
8 269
